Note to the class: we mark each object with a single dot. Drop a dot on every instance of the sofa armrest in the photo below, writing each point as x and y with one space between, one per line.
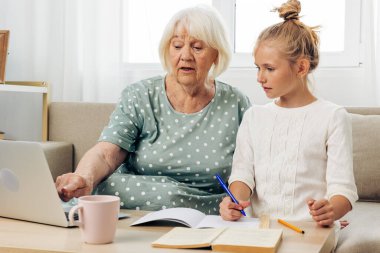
59 156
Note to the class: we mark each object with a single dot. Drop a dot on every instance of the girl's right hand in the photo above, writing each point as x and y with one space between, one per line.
230 211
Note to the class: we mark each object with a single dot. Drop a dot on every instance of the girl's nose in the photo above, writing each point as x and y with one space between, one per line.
260 77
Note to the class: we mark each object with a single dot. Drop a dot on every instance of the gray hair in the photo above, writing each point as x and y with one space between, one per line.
203 23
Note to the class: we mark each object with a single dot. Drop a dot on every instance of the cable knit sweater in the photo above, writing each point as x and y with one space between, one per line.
289 155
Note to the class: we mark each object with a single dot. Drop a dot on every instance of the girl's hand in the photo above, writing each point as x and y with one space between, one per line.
343 223
321 211
231 211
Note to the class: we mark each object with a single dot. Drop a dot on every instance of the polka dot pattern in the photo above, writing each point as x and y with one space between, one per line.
173 156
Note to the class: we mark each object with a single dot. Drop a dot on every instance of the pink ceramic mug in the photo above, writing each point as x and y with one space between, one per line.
98 216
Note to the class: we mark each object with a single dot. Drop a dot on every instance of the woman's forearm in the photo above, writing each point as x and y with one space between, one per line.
100 161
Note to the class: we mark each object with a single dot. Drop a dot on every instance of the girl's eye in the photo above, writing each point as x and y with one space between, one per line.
270 69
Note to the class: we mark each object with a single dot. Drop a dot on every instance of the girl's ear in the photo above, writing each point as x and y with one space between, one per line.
303 66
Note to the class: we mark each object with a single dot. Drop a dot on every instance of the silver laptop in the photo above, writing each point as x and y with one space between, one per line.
27 189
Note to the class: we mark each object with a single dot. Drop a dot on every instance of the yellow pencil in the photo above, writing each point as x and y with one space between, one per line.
291 226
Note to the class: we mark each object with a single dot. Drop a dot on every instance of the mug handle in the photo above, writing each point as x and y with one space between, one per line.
71 215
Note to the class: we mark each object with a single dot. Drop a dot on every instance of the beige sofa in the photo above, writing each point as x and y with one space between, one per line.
75 127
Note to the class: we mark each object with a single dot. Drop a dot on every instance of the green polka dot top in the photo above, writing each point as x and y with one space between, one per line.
173 156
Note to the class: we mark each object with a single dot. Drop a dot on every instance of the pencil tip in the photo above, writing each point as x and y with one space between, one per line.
303 232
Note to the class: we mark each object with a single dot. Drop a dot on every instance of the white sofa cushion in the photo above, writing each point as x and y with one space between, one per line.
366 155
362 235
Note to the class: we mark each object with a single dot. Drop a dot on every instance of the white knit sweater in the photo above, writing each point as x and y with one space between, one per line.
287 156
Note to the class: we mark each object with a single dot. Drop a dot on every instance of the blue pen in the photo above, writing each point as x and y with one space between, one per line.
228 192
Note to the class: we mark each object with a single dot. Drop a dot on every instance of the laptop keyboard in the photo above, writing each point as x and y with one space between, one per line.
76 217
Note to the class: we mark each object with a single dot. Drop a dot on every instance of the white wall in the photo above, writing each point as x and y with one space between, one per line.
349 86
346 86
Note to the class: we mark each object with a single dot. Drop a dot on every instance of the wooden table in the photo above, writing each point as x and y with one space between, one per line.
20 236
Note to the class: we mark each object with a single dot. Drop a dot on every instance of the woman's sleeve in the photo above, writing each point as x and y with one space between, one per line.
243 159
339 174
125 122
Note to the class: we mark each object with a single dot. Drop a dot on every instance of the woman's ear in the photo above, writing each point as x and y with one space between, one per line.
303 66
216 58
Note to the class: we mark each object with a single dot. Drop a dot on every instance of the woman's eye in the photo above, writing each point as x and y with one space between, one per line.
176 44
197 48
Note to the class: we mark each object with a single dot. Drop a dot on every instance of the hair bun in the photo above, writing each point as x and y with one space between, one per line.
291 15
289 10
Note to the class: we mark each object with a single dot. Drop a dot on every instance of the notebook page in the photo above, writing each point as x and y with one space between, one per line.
216 221
186 216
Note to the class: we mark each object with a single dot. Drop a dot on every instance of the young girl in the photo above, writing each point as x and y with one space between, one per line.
293 157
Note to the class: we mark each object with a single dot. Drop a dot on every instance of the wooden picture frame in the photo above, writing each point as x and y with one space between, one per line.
4 37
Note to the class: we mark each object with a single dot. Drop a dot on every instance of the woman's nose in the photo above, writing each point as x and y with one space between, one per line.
186 54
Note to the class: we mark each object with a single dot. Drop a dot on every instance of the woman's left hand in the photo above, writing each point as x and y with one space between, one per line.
321 211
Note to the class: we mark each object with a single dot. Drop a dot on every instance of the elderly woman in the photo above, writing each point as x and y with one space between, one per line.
168 136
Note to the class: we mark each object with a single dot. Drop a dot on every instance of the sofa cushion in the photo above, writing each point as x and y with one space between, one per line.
362 235
59 156
78 123
366 155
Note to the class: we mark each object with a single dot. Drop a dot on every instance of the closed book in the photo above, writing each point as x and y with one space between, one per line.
228 239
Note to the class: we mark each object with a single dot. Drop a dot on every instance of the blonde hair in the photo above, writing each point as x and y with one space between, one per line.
203 23
293 38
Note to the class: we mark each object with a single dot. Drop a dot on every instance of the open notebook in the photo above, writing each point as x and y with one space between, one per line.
182 216
27 189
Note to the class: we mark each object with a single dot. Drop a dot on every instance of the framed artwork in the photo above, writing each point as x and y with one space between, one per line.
4 37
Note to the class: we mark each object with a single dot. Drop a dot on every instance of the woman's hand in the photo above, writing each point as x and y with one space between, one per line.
322 211
98 162
231 211
72 185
